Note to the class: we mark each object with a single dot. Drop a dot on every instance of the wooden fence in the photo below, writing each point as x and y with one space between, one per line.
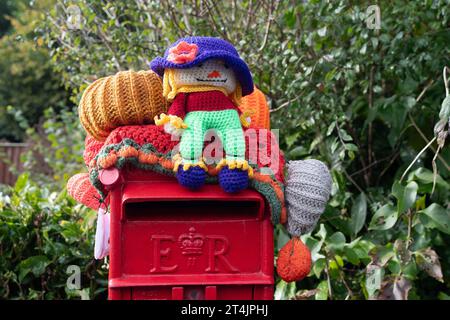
10 158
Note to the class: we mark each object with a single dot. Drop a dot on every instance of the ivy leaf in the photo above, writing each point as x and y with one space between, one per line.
440 217
428 261
359 212
384 219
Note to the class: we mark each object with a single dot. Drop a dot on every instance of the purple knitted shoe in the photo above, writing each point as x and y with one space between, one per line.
233 180
192 178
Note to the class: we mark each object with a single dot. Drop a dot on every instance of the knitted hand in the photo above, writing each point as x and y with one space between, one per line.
245 118
172 124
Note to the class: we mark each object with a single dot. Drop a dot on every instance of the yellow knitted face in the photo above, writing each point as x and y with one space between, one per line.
212 72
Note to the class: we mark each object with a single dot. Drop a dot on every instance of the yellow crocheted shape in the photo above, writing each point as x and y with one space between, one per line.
257 104
244 118
178 160
126 98
235 164
177 122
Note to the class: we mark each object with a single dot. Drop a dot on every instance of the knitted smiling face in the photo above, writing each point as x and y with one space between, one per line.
212 72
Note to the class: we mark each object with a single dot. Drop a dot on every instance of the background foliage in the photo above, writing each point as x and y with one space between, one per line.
28 85
364 101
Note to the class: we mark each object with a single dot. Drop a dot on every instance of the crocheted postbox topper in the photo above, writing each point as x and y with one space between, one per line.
188 52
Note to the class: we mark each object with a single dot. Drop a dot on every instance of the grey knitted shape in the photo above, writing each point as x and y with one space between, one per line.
308 188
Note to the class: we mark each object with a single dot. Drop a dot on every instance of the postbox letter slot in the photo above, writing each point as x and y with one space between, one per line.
199 210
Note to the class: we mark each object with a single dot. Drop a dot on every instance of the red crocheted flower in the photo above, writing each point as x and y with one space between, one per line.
183 52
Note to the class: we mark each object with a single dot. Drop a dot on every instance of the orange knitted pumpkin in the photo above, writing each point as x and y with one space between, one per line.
294 261
256 104
126 98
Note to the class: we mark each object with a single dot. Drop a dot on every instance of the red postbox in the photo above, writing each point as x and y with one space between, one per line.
168 242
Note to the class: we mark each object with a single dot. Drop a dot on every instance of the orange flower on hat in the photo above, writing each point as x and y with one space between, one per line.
183 52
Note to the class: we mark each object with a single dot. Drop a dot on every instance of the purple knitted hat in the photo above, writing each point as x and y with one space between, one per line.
190 51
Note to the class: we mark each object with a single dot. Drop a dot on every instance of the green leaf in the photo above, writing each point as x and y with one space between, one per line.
425 176
21 182
35 265
322 31
439 216
322 291
410 102
384 219
318 267
351 255
406 196
284 290
359 212
409 197
299 151
444 114
336 241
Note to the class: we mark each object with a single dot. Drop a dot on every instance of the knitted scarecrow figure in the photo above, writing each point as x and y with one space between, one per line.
204 79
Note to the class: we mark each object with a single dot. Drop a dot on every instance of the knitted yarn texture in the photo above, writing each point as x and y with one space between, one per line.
193 51
227 125
294 260
213 72
126 98
308 187
256 104
80 188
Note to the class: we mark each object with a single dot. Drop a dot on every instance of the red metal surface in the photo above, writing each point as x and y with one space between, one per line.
168 242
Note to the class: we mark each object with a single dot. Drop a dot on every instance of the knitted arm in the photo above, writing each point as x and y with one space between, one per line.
177 108
173 123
